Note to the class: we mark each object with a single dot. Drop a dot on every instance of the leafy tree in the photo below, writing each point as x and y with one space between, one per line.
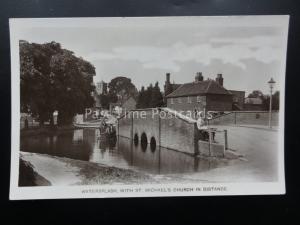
141 99
156 97
104 99
266 99
275 101
36 96
53 79
72 79
150 98
121 87
256 94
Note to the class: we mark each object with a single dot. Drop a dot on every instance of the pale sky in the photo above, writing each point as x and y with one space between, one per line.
248 51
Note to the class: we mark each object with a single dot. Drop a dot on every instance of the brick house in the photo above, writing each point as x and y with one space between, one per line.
209 94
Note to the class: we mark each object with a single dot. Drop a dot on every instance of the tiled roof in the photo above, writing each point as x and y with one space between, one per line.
198 88
175 86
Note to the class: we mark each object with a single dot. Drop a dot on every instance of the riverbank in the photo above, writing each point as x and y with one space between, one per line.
60 171
28 177
42 169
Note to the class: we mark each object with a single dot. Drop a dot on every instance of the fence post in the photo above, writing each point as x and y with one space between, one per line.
234 117
196 139
226 139
209 144
159 127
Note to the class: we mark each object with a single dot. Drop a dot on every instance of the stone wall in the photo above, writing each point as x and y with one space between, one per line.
124 128
147 122
178 134
211 149
168 131
244 118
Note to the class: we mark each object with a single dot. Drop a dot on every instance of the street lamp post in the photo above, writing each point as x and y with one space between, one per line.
271 85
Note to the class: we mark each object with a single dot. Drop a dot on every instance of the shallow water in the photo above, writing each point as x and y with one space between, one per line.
259 146
85 144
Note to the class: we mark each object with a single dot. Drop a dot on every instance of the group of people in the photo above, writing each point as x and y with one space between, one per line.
106 128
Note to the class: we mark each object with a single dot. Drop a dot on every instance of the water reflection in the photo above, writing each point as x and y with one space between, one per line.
62 145
88 145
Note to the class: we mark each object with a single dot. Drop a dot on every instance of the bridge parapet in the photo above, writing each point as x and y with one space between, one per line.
246 117
166 127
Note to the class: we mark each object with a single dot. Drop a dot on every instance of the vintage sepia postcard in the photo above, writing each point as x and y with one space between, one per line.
147 106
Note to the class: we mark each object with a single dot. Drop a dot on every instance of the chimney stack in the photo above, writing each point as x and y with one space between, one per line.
220 79
167 77
198 77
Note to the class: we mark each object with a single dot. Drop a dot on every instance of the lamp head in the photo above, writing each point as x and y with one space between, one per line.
271 83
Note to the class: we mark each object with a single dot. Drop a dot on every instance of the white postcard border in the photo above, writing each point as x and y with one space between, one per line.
102 191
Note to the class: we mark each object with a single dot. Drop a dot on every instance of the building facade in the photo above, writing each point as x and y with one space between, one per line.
100 89
205 94
253 104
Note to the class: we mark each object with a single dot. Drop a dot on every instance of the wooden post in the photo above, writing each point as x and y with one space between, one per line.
196 139
209 141
226 139
159 128
234 117
226 142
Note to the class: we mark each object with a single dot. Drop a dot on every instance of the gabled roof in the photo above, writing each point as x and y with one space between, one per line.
175 86
199 88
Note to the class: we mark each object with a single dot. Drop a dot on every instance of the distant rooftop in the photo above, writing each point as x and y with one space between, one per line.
254 101
198 88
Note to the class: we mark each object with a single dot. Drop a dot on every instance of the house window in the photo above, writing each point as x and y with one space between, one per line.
179 100
198 98
189 100
172 101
